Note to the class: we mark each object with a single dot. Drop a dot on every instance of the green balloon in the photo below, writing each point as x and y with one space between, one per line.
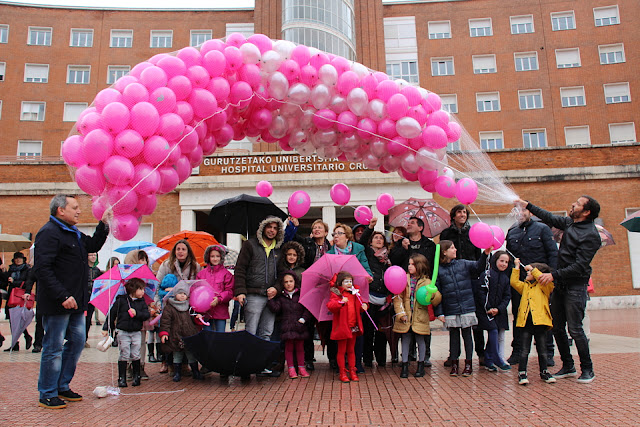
423 295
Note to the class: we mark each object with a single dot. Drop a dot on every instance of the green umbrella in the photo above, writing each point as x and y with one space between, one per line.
632 222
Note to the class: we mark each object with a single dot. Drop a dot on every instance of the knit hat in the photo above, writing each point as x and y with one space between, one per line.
169 281
181 288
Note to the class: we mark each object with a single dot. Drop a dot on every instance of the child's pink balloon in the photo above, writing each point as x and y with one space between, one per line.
445 186
264 189
384 202
363 215
340 194
299 204
498 236
395 279
466 191
481 235
201 297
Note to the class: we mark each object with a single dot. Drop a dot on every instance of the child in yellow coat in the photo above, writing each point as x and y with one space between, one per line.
534 317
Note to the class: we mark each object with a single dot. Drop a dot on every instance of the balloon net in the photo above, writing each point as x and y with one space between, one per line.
141 137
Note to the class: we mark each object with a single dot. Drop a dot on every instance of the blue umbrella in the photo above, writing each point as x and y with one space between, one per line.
131 245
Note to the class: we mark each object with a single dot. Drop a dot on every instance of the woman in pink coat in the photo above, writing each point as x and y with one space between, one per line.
221 280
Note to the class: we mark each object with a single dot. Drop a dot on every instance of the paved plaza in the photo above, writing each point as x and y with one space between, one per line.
381 398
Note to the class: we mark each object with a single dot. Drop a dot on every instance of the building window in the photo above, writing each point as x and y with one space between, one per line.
450 103
3 67
200 36
29 148
491 140
440 30
4 34
563 21
484 64
572 96
577 135
121 38
611 54
480 27
81 38
442 67
604 16
72 111
39 36
526 61
78 74
161 38
521 24
32 111
114 72
453 146
244 28
622 132
534 138
615 93
530 99
568 58
406 70
36 73
488 101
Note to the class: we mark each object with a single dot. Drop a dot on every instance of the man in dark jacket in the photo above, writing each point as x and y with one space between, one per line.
531 241
62 274
458 233
415 242
579 244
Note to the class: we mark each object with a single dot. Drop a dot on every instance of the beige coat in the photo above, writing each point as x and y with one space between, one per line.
418 320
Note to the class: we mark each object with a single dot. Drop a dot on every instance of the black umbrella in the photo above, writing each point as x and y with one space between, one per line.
242 214
232 353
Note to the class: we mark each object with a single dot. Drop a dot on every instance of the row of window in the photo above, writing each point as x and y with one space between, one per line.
83 37
76 74
523 24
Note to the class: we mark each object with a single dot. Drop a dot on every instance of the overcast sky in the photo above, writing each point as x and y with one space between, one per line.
145 4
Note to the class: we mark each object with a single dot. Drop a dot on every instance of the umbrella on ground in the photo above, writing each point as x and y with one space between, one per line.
606 239
20 318
632 222
198 240
242 214
232 353
315 293
435 218
111 284
131 245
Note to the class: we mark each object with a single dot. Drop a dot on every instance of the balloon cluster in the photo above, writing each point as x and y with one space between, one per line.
484 236
142 136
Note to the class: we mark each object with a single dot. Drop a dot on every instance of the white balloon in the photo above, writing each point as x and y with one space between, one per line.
297 139
328 75
357 100
299 93
320 97
377 110
359 69
278 85
338 104
306 149
408 127
250 53
279 127
427 159
284 48
271 61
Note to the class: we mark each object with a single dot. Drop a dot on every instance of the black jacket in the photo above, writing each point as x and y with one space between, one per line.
579 244
61 266
532 241
460 239
20 275
377 268
400 256
496 294
119 317
308 243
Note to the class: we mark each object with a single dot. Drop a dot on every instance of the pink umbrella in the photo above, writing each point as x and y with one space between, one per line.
111 284
315 291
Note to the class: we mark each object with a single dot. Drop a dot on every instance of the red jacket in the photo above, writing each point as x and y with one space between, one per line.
341 330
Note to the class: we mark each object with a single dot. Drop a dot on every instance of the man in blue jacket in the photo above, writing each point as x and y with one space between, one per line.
579 244
62 273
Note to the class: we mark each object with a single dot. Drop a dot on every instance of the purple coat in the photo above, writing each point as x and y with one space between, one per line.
291 311
221 280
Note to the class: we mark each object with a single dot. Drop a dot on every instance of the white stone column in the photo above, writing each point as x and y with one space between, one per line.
329 216
234 241
188 220
380 224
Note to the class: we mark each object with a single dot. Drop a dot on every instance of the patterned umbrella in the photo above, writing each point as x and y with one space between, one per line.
111 284
435 218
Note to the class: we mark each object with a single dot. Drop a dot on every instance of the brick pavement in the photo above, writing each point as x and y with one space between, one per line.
381 398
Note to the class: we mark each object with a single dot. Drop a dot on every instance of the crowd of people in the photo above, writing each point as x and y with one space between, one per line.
546 287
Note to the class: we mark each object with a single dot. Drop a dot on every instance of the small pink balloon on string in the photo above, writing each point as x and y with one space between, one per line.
363 215
264 189
481 235
299 204
384 202
340 194
466 191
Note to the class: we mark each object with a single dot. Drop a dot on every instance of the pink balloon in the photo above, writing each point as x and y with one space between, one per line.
189 140
190 56
203 102
261 119
432 103
212 44
427 176
301 55
134 93
340 64
363 215
185 111
264 189
240 94
99 206
453 131
434 137
139 68
128 143
153 78
124 227
346 82
156 150
90 179
97 146
144 118
72 151
481 235
318 60
118 170
290 69
164 99
183 168
215 63
386 89
299 204
233 57
369 84
347 121
367 128
324 119
412 94
122 199
172 66
309 75
208 145
115 117
445 186
181 87
498 236
340 194
146 180
395 279
123 82
466 191
146 204
387 128
236 39
250 73
89 122
438 118
411 177
169 179
195 157
417 112
397 146
397 106
263 42
201 297
105 97
384 202
223 136
171 126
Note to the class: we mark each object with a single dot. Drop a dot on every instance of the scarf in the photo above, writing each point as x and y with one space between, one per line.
382 255
320 250
179 305
345 251
413 282
67 227
16 270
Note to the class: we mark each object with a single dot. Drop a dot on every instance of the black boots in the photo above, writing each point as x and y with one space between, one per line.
420 371
405 370
195 371
468 368
454 368
122 373
152 357
136 372
177 372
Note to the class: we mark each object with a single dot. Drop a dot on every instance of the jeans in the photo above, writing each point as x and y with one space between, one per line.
178 357
59 358
129 344
492 352
216 325
539 332
258 318
454 343
568 308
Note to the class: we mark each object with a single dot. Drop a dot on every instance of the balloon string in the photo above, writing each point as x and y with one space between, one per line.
367 311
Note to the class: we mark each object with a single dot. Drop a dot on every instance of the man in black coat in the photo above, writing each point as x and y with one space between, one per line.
579 244
458 233
415 242
531 241
62 274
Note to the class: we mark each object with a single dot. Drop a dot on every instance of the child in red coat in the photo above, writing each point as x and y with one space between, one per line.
347 322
